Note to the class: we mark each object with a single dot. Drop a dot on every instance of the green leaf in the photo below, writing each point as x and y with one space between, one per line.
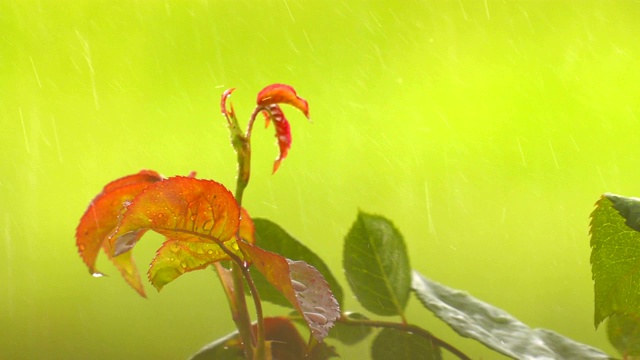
272 237
350 334
401 345
624 334
377 265
225 348
615 257
628 208
495 328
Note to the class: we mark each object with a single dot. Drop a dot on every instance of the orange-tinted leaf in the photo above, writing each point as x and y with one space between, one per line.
282 94
195 215
101 217
176 257
301 284
247 229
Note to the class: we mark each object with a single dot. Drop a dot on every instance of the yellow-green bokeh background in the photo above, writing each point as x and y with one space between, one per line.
485 129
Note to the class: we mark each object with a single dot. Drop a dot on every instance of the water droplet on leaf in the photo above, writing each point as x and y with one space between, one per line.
315 317
298 286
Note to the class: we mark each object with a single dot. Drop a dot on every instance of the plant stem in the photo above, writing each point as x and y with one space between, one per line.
260 349
242 145
238 304
243 149
407 328
243 321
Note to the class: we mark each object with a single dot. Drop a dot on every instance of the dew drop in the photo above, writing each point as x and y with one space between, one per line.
184 265
193 218
97 275
81 247
210 252
315 317
298 286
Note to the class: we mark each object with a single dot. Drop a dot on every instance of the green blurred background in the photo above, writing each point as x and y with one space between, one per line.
485 130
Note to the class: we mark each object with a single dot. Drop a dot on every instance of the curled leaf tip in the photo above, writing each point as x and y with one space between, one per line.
102 213
283 132
282 94
223 103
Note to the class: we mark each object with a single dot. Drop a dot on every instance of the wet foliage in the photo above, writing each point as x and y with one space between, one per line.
205 226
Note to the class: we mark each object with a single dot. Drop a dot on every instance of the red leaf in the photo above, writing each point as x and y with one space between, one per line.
301 284
101 217
281 335
195 215
283 132
282 94
286 341
268 100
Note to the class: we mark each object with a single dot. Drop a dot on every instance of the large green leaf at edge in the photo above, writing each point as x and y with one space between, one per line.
376 264
495 328
623 332
615 256
271 237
